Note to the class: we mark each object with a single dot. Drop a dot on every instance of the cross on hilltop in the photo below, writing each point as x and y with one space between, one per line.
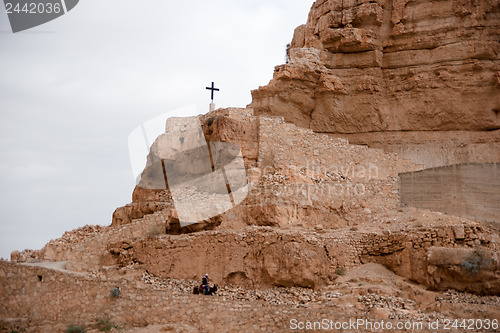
212 90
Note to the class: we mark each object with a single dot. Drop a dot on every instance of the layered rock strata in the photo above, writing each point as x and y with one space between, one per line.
390 65
416 69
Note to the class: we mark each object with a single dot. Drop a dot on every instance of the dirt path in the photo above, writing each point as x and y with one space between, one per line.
54 265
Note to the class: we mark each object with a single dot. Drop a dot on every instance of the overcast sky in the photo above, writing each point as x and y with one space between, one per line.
72 90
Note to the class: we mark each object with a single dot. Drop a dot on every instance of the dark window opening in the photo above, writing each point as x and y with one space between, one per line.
40 278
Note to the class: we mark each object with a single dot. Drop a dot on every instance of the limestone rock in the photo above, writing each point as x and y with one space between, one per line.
359 66
473 270
295 176
15 255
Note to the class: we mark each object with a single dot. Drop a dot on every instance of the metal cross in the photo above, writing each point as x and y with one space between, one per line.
213 89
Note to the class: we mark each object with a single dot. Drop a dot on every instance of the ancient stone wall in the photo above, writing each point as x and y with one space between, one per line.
39 300
471 261
302 178
435 149
469 190
88 248
344 180
271 257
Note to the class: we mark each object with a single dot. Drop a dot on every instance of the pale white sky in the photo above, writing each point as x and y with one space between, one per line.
72 90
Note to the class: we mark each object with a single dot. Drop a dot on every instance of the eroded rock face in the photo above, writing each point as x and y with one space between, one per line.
464 269
390 65
459 257
294 176
151 195
467 269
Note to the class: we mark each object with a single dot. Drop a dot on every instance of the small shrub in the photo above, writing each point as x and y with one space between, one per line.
115 292
75 329
105 325
340 271
476 261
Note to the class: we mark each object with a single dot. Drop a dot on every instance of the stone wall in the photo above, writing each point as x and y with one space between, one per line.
302 178
435 149
413 256
268 256
39 300
468 190
323 173
87 249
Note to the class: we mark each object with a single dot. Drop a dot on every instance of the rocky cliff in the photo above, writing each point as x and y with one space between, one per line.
361 66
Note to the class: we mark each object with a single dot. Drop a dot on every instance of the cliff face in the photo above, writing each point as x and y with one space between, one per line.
362 66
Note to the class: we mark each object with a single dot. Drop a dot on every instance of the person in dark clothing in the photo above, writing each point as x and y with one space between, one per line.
204 283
